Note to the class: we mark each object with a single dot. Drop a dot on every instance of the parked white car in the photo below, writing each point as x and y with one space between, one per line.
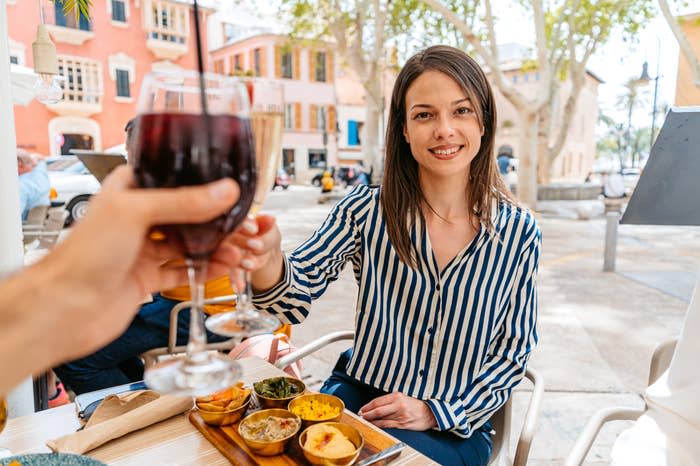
72 184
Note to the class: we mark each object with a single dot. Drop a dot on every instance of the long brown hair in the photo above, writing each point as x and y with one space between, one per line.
401 194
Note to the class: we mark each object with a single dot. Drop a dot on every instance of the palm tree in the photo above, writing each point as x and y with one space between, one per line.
80 7
629 100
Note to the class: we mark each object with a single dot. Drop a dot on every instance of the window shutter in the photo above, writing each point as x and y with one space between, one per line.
297 116
313 111
296 64
330 115
231 65
278 61
251 60
312 65
329 67
263 62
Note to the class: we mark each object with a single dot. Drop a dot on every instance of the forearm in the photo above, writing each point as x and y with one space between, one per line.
27 321
270 275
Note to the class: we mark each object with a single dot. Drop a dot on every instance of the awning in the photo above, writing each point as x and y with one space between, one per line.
22 80
668 191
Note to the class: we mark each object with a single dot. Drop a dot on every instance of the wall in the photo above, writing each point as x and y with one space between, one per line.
32 121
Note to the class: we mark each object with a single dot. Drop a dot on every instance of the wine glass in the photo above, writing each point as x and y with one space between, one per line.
267 117
194 129
4 452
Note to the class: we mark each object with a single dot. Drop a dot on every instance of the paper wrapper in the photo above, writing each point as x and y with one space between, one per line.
119 415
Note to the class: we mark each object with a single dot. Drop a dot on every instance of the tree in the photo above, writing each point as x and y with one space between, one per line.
567 33
683 43
361 31
80 7
629 101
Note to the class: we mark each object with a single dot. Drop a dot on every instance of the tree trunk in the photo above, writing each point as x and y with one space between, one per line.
683 42
527 168
372 147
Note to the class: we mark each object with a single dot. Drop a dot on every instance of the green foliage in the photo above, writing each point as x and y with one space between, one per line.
79 7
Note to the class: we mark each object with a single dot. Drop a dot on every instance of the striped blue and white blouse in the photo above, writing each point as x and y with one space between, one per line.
458 339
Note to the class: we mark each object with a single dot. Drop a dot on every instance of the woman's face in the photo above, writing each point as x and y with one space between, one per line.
441 125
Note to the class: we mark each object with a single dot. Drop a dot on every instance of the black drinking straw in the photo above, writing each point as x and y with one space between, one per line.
200 64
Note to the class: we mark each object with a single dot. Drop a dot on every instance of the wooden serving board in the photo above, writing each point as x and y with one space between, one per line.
232 446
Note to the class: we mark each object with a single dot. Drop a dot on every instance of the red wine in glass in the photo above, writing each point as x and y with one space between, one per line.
177 149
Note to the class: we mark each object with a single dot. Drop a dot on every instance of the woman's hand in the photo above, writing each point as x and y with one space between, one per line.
399 411
260 241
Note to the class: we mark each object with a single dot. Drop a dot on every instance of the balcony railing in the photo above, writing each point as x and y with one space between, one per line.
82 85
67 28
167 28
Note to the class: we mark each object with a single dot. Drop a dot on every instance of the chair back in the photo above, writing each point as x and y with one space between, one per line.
661 359
52 227
37 215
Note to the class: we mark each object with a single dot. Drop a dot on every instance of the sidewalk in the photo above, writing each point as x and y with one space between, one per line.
597 330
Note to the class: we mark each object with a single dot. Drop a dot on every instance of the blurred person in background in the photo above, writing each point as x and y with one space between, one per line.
34 184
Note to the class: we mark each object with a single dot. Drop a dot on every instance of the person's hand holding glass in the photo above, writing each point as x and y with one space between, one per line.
267 119
193 131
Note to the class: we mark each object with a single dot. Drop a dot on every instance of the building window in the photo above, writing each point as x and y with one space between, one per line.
229 31
286 60
68 20
317 158
118 11
321 66
537 76
123 88
82 79
14 59
288 161
238 62
219 66
353 133
288 116
526 77
515 79
256 62
169 22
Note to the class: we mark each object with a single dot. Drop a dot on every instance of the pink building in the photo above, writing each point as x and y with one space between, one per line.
307 72
103 62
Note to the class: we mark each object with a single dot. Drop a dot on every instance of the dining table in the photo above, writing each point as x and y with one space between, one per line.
174 441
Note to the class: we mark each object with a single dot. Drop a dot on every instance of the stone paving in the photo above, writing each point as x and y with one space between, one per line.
597 329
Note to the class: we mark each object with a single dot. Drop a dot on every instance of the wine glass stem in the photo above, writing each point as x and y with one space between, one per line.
197 272
248 296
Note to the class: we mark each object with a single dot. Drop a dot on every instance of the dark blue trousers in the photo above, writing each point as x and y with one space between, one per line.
442 447
118 362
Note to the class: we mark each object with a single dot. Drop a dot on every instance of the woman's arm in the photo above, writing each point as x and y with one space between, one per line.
286 285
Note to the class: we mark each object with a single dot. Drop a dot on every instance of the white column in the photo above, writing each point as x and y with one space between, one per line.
21 401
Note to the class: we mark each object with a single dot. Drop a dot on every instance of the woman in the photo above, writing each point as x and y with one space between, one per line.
445 262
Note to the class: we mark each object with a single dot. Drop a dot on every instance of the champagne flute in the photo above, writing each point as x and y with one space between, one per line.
193 129
267 117
4 452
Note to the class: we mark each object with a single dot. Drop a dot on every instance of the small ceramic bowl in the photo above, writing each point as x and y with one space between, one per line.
333 401
349 432
224 418
268 447
281 403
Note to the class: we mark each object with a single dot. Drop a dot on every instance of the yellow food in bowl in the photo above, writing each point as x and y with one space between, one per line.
314 410
327 441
